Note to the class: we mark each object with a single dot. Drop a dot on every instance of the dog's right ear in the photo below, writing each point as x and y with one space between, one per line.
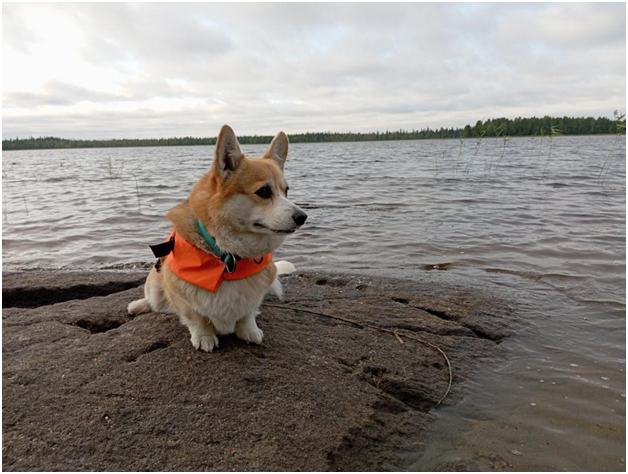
228 155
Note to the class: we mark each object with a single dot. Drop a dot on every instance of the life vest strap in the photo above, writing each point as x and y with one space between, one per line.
163 249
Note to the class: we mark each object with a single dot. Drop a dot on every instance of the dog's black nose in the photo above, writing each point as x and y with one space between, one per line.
299 217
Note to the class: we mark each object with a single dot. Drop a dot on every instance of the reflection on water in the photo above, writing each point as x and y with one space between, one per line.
555 243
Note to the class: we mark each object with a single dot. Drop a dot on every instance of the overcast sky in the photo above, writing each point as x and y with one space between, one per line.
159 70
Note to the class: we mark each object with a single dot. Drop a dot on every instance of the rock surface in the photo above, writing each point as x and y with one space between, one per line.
87 387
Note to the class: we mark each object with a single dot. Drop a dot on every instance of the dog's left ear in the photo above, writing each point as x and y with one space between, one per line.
278 149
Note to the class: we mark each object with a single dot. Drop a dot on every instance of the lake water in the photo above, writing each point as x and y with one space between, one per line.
550 235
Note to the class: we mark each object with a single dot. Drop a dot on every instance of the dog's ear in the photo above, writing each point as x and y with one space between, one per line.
228 155
278 149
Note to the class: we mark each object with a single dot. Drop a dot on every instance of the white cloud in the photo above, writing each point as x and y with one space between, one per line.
137 70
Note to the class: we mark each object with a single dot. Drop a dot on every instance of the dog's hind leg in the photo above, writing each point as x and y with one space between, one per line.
139 307
154 296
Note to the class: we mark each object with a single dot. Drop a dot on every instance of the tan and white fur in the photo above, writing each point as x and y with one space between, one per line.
232 201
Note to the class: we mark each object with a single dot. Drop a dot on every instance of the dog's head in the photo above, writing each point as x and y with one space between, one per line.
244 201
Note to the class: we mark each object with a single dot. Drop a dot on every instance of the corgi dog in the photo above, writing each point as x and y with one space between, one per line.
220 267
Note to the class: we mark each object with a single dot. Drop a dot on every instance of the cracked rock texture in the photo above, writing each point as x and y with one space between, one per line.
87 387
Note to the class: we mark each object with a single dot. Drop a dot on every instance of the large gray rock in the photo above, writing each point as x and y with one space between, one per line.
87 387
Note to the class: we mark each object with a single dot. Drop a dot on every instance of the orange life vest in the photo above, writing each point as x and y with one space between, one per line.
205 270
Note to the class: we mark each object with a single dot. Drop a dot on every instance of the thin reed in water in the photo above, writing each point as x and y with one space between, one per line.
137 191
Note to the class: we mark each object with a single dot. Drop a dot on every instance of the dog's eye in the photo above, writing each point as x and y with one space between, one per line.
287 189
265 192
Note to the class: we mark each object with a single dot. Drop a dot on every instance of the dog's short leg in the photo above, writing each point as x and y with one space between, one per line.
154 297
139 307
202 333
154 291
247 330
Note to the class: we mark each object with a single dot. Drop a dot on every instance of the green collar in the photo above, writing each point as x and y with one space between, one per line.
225 257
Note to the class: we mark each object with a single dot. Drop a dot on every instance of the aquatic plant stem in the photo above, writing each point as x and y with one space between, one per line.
620 125
477 148
554 131
608 160
5 212
502 156
137 191
549 155
112 172
458 157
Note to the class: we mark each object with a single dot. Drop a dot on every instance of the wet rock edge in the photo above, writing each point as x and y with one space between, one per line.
87 387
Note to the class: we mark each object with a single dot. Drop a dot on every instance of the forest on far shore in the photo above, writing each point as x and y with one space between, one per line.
518 127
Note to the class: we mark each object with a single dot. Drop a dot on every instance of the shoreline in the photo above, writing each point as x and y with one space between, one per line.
87 387
326 142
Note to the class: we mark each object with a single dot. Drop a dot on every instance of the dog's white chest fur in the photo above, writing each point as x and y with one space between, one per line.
230 303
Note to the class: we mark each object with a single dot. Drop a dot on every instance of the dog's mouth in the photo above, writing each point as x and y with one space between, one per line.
276 231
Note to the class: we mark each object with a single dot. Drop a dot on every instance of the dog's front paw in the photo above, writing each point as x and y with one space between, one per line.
250 334
204 341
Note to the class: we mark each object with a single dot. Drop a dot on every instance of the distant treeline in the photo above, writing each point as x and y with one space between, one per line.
490 128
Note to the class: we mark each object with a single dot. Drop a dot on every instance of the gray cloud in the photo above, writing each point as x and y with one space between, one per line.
56 93
307 67
15 33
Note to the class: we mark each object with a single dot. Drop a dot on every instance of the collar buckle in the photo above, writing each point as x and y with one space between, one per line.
230 262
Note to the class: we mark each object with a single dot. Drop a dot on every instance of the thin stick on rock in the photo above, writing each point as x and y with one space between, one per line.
395 333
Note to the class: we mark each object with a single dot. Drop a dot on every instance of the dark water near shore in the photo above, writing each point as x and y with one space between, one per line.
554 241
